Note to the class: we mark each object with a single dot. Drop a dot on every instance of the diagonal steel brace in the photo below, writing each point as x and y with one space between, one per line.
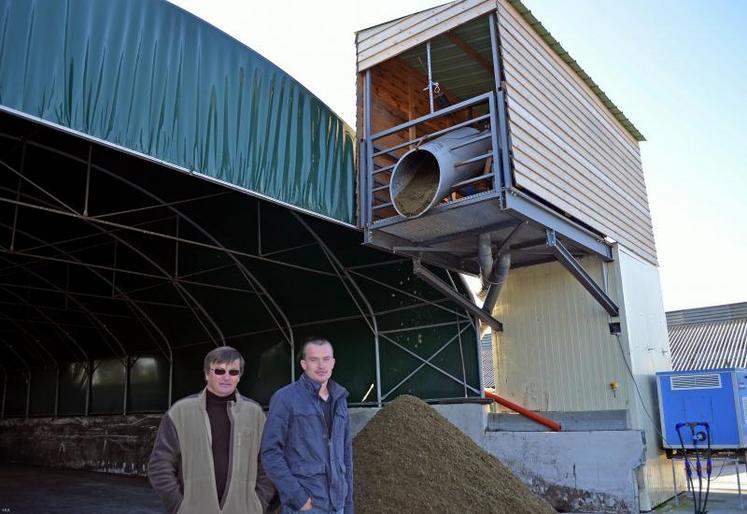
438 284
569 261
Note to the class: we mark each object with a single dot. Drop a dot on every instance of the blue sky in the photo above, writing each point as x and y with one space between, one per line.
678 69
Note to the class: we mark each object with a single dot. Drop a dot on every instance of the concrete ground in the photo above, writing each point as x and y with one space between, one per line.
723 498
37 490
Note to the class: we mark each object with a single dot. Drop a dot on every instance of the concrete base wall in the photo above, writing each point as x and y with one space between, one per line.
112 444
575 471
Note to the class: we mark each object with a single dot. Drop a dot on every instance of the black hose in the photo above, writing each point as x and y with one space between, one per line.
688 467
709 465
698 470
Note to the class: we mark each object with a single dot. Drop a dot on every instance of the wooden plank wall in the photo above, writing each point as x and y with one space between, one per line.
398 97
567 148
379 43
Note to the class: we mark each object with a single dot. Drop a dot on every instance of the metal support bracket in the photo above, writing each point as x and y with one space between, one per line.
438 284
569 261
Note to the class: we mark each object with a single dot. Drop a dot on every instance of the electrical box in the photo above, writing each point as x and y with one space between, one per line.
715 396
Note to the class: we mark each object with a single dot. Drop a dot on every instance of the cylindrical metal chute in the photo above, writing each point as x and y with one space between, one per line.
497 278
426 174
485 259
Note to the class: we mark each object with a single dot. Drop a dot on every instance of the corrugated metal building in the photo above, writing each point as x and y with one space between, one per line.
708 337
486 358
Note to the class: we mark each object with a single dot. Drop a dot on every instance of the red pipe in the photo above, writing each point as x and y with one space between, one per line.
552 425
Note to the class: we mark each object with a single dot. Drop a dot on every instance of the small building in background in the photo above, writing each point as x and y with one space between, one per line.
486 360
708 337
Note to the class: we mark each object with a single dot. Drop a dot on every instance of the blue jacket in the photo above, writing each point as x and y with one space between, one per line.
298 455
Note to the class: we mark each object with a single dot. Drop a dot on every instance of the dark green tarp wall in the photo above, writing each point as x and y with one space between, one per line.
149 77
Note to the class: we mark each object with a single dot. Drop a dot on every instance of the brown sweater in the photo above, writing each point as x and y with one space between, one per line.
220 428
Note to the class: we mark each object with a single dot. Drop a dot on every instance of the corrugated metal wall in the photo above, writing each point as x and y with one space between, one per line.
556 352
567 147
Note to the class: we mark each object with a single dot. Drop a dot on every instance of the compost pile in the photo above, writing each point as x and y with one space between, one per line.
410 459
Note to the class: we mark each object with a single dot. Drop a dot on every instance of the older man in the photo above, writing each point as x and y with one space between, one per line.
205 458
306 445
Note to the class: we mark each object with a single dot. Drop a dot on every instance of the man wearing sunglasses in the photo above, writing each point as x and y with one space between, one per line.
205 458
306 446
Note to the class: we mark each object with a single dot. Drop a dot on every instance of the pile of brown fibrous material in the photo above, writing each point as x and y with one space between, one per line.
410 459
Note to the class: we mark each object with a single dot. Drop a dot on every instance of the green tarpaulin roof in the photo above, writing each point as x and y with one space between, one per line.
151 78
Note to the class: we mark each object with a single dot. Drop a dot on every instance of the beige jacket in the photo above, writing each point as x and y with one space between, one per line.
181 464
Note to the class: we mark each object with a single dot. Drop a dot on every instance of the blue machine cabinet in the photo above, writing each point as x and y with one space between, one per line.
715 396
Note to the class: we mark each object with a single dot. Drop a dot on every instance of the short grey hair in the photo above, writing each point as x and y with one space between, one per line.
222 355
319 341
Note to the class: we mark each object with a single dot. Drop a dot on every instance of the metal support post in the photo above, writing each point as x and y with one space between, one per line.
494 52
28 393
368 154
461 356
293 361
739 483
674 482
430 75
57 391
171 382
126 366
571 264
89 376
430 278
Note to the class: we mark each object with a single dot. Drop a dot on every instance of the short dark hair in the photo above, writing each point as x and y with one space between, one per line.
319 341
222 355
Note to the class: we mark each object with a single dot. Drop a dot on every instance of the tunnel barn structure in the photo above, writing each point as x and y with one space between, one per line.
165 190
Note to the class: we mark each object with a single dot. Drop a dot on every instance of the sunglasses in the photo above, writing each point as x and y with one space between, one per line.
222 371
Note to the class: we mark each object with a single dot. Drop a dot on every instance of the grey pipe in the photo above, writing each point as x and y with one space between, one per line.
485 258
497 278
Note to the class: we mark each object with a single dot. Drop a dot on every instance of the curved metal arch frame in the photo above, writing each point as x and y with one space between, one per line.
181 290
253 282
65 333
28 377
343 274
249 277
426 361
52 357
98 323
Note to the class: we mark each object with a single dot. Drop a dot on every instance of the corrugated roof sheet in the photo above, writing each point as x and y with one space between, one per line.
708 337
705 314
486 355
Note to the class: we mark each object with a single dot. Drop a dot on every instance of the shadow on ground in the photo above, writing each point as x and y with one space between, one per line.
724 496
37 490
